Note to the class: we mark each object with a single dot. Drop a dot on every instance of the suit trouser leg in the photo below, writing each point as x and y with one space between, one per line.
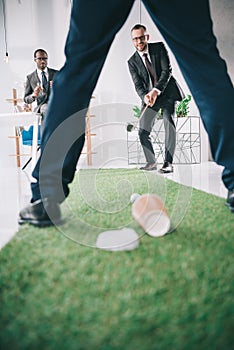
146 126
90 36
194 45
170 133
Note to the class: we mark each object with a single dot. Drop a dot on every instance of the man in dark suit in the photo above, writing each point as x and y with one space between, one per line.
152 75
38 83
189 34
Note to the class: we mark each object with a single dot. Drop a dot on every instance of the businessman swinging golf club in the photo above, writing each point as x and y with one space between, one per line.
151 73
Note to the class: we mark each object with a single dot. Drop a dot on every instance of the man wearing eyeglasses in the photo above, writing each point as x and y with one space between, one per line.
39 83
152 76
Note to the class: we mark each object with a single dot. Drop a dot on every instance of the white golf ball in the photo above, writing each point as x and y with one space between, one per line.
133 197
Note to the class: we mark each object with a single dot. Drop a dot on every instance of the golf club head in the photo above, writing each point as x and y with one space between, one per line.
130 127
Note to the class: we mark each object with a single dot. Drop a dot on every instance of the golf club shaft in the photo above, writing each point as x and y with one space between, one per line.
142 113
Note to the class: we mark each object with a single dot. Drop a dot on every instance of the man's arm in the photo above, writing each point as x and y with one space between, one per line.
137 80
164 69
164 76
28 92
148 97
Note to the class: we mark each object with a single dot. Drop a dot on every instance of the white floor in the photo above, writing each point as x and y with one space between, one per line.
15 190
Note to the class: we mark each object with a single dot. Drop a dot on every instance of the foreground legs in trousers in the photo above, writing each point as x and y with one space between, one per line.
170 137
194 45
90 36
86 49
145 128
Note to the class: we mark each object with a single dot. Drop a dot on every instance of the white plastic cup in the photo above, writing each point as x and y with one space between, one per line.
150 213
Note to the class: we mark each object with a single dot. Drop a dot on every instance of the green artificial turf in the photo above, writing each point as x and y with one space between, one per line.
173 292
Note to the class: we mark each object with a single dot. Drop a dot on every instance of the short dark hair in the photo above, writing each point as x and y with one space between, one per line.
138 26
39 50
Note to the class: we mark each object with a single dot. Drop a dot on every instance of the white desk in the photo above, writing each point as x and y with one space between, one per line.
24 118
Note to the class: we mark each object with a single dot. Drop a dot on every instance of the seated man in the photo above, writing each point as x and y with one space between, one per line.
39 82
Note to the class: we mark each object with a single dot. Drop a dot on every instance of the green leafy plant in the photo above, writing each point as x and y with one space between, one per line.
182 108
159 114
137 112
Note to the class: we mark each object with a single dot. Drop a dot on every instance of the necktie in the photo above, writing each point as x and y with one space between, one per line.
44 80
150 69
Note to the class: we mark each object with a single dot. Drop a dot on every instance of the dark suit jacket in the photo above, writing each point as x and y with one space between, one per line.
166 83
31 83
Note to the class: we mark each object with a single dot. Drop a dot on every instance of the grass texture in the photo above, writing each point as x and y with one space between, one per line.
174 292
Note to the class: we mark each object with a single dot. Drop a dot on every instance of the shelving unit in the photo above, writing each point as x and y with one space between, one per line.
188 142
27 108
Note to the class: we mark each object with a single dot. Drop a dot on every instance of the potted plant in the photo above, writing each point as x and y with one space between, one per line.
137 111
182 108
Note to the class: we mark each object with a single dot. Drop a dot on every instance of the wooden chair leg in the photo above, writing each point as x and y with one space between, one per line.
17 145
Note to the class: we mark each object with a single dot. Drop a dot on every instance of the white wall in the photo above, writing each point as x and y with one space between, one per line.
44 23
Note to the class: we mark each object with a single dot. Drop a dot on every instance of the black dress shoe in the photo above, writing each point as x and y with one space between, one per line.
41 213
150 166
230 200
166 168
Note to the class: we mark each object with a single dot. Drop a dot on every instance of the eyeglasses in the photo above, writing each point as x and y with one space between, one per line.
140 38
41 58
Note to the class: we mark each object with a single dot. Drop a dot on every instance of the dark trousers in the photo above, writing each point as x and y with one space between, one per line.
91 33
146 125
